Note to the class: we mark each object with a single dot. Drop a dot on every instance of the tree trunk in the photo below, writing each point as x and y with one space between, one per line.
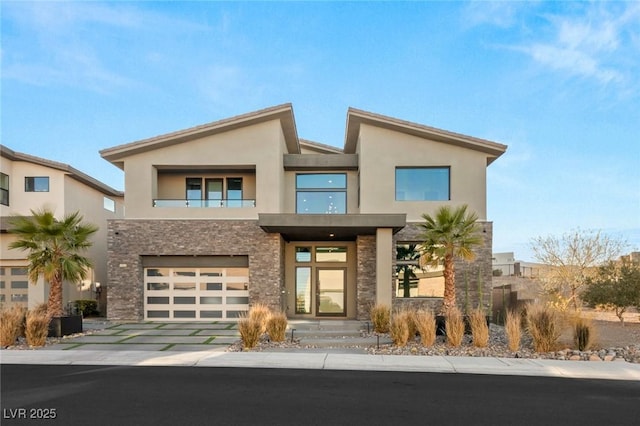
406 284
449 300
54 304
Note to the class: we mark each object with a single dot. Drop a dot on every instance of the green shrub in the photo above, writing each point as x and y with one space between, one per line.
37 328
87 307
583 334
277 326
380 317
11 325
454 327
425 322
544 327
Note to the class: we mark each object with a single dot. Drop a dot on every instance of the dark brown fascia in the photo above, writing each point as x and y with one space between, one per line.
71 171
356 117
283 112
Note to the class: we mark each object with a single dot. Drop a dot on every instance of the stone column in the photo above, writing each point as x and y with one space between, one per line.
384 266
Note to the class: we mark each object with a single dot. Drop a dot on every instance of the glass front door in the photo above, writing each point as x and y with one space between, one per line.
330 291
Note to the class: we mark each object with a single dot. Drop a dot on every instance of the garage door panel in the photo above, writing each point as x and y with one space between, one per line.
196 293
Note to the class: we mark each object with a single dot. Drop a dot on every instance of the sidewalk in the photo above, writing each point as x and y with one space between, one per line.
332 361
205 345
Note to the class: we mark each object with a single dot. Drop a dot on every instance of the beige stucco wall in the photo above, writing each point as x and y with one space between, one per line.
381 151
66 195
260 146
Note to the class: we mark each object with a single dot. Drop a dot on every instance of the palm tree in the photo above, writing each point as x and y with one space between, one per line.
450 234
54 248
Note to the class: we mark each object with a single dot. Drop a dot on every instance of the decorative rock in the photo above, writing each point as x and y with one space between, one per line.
595 358
609 357
575 358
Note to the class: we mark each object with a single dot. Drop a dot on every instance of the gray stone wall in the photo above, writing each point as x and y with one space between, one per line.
366 278
129 239
473 279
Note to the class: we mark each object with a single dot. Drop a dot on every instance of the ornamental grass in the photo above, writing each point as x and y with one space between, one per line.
544 326
11 325
37 327
380 318
479 328
454 327
277 326
513 330
250 329
425 321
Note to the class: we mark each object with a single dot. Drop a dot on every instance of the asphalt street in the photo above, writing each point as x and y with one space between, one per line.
124 395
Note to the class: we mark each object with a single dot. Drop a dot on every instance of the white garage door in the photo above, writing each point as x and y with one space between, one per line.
195 293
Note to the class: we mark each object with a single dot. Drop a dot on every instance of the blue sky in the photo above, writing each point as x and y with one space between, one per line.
558 82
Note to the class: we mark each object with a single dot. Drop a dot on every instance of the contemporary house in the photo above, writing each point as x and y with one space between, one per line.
32 183
242 211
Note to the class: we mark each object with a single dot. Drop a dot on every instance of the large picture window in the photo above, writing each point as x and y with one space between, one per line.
36 184
322 193
413 280
422 184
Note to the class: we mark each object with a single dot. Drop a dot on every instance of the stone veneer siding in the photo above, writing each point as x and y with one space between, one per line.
128 240
366 275
477 271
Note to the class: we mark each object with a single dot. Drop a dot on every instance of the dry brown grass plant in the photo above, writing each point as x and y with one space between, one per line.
260 313
277 326
544 326
37 327
380 318
399 328
584 333
250 329
479 328
11 325
425 322
454 327
513 330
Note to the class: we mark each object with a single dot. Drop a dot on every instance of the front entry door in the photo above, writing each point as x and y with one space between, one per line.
330 291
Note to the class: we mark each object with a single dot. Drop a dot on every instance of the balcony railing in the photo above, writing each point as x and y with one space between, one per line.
205 203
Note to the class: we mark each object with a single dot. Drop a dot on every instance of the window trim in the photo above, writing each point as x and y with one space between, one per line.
322 190
26 186
447 168
4 192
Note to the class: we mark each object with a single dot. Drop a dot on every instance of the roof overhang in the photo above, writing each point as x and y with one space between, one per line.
71 171
356 117
283 112
323 227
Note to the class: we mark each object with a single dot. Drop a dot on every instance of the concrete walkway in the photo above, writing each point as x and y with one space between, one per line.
332 361
204 345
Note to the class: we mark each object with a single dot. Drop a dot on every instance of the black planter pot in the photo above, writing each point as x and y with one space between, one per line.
64 326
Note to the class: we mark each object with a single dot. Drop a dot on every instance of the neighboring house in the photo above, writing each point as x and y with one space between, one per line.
31 183
506 265
241 211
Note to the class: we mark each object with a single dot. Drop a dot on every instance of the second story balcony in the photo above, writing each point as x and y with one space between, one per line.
199 203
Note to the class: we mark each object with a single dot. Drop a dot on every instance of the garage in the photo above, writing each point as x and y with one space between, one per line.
204 288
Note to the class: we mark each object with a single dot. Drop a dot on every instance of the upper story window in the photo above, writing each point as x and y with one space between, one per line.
321 193
423 184
109 204
217 192
36 184
4 189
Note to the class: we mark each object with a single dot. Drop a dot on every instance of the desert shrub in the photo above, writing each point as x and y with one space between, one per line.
11 325
380 318
87 307
479 328
277 326
544 326
260 313
583 334
37 327
425 322
250 329
454 327
513 330
399 328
